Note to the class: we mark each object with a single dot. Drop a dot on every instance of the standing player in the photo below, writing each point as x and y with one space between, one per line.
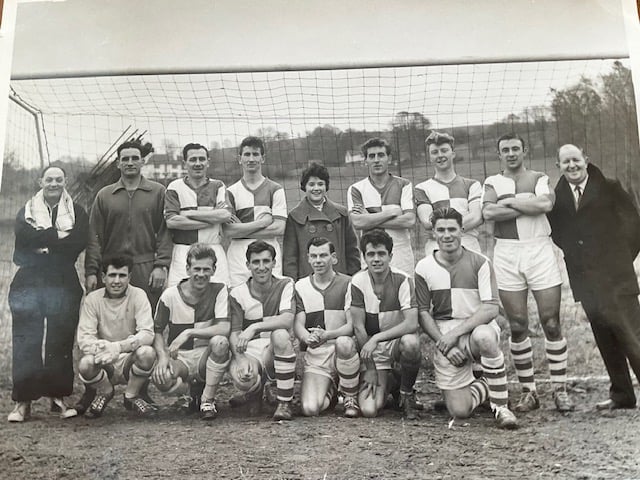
196 312
127 218
195 207
323 324
384 201
385 322
447 189
518 200
259 211
261 314
458 301
115 333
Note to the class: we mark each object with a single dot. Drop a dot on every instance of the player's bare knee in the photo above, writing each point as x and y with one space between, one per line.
219 347
145 356
368 410
551 327
281 340
459 411
410 347
485 340
310 409
345 347
87 366
519 328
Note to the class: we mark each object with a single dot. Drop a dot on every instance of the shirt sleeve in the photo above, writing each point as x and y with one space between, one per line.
287 300
222 305
347 297
357 296
171 204
542 186
487 285
422 198
144 319
236 314
406 200
279 204
423 293
354 198
475 192
407 294
93 254
161 318
232 202
489 194
299 303
87 334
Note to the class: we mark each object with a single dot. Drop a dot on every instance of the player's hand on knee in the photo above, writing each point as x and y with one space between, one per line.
369 384
108 353
162 372
456 357
320 336
366 352
180 340
243 340
446 343
243 369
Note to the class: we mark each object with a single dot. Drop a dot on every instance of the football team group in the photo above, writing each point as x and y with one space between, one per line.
167 304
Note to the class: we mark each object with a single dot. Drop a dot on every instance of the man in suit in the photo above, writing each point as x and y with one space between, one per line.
597 226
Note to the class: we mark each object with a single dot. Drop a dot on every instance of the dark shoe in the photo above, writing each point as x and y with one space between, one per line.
505 418
562 401
613 405
208 410
140 406
407 404
82 405
528 401
283 412
144 394
270 396
240 399
99 403
439 406
351 407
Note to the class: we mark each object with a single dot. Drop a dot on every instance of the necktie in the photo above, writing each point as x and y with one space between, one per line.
578 195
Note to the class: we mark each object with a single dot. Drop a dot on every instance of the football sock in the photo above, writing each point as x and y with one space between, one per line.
408 376
479 392
557 356
137 378
522 354
496 377
215 372
348 374
285 367
100 382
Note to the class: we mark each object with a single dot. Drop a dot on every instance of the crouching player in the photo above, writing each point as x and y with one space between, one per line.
458 301
196 313
261 315
115 333
323 325
385 321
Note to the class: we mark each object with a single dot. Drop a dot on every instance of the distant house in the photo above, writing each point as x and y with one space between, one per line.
160 166
353 156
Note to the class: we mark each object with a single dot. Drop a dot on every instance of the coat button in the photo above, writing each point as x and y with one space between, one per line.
580 242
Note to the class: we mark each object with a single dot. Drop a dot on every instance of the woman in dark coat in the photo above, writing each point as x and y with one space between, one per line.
51 231
317 216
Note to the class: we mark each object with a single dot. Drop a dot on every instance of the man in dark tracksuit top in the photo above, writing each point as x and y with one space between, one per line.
596 225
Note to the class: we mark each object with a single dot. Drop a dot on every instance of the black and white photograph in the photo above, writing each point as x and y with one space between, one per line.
319 240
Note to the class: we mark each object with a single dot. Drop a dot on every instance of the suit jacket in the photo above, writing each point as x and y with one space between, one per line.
601 239
305 222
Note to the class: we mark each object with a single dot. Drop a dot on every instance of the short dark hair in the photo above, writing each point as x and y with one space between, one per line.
199 251
53 165
510 136
377 236
437 138
192 146
130 144
254 142
260 246
117 261
319 241
314 170
445 213
375 142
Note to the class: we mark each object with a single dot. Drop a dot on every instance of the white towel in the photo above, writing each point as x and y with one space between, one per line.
38 215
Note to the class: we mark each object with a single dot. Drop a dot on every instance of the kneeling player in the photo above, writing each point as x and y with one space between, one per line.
323 324
458 287
385 321
115 333
261 314
196 313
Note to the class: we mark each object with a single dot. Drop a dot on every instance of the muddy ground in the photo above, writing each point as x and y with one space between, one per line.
585 444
